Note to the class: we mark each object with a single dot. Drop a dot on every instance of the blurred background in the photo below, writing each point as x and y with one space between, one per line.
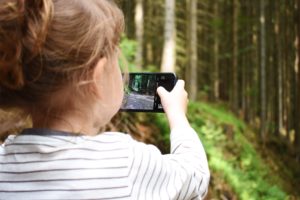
240 61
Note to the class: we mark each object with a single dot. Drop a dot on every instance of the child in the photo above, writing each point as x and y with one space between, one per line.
59 65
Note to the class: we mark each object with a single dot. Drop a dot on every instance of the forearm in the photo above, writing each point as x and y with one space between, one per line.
187 158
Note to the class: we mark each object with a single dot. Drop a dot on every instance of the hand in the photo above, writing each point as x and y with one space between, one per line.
175 104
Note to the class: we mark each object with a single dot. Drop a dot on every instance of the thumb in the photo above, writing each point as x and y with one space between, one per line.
161 91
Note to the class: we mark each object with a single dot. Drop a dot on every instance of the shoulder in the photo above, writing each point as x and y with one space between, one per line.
119 138
112 137
108 138
125 143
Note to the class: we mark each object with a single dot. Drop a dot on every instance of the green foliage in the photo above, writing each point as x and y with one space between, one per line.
230 153
217 23
128 48
127 59
152 68
220 113
161 121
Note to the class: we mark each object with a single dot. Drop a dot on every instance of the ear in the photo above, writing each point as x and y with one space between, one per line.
99 69
97 75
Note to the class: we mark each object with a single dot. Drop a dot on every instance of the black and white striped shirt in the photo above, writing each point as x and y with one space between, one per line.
44 164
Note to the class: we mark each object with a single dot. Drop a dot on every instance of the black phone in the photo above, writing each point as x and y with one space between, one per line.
140 91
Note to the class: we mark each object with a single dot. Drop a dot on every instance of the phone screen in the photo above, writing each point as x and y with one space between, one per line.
140 92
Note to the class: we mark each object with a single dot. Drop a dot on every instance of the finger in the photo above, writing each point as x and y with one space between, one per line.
179 85
161 91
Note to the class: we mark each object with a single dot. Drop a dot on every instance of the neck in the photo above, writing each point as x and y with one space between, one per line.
72 123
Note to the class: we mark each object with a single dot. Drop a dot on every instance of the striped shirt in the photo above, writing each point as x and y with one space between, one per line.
46 164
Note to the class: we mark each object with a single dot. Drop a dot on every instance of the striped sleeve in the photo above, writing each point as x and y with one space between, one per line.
183 174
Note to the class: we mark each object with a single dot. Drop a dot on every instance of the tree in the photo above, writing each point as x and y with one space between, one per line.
235 85
193 50
262 70
297 139
139 32
215 79
168 56
279 120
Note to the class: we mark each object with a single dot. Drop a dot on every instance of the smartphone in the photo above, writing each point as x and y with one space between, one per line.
140 91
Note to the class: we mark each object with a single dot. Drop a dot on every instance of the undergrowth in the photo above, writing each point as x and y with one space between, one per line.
230 153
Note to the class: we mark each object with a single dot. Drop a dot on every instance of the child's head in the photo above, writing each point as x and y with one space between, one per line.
49 52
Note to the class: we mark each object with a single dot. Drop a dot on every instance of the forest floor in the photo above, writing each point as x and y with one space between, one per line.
237 158
240 167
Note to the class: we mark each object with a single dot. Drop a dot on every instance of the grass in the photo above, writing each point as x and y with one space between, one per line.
231 154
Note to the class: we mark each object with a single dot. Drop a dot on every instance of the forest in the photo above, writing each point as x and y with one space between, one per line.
240 60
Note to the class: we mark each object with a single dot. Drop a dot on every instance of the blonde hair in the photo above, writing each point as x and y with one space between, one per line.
46 45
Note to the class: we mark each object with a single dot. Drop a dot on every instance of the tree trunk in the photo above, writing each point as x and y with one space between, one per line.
254 72
243 65
285 74
247 66
129 6
169 55
235 86
262 71
297 70
187 68
139 33
215 80
279 73
193 50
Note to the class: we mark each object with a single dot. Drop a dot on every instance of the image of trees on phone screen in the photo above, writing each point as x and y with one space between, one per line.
140 92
